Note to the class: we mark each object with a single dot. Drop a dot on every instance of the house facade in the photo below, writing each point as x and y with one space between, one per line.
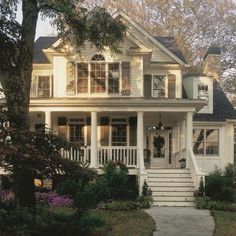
140 107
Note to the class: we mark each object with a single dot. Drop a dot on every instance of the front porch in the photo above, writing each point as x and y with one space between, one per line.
128 137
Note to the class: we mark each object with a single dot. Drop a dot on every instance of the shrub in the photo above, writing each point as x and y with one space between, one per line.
115 174
219 187
201 202
122 205
206 203
230 172
74 180
145 202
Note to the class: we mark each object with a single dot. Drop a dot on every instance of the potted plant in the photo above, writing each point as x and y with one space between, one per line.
147 157
182 163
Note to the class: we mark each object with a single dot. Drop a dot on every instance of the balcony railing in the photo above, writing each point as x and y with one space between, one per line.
125 155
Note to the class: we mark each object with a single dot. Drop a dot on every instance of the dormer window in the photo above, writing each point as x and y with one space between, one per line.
203 92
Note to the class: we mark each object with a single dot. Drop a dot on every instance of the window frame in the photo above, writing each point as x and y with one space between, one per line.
165 86
106 92
205 154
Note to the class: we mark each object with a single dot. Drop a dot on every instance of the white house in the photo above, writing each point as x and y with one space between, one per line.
136 105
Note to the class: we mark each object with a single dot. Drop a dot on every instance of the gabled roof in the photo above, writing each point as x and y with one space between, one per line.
222 108
171 44
40 44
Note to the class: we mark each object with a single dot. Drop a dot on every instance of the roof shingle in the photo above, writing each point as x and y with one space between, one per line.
40 44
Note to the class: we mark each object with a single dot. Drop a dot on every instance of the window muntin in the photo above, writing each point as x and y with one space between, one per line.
206 141
203 92
43 86
159 86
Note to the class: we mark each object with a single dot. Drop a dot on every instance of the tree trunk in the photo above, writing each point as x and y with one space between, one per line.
17 92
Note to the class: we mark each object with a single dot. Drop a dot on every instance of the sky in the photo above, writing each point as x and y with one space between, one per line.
43 26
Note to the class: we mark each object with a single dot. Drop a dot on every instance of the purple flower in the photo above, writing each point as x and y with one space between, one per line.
53 199
6 195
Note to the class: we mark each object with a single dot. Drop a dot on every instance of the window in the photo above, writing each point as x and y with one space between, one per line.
206 141
159 86
113 77
203 92
41 87
119 132
77 133
44 86
98 77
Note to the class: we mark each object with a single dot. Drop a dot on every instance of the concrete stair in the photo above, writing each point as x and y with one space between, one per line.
171 187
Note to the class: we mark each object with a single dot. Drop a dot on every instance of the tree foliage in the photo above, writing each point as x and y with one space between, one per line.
195 24
23 152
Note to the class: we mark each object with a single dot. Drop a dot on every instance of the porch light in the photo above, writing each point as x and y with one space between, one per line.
159 127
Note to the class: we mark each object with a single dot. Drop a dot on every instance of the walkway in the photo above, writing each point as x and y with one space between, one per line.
182 221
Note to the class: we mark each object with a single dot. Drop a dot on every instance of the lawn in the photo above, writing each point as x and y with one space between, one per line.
128 223
225 223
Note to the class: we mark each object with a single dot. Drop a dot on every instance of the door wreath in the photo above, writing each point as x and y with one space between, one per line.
158 143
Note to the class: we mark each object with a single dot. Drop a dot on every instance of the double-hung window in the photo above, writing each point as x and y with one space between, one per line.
119 132
41 87
206 142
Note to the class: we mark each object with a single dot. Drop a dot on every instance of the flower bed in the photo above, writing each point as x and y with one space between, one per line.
53 199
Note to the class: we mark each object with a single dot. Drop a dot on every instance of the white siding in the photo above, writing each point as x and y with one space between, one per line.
60 74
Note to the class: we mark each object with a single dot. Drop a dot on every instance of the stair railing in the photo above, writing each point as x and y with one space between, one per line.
194 169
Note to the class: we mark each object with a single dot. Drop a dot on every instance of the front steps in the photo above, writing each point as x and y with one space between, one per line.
171 187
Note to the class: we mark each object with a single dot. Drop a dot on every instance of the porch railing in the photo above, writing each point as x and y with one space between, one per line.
194 169
82 155
125 155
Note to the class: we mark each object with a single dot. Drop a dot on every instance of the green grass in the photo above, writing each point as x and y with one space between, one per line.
118 223
225 223
129 223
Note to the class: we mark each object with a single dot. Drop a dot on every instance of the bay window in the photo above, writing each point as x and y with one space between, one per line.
206 142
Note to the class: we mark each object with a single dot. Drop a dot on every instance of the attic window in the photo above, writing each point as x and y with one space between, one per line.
98 57
203 92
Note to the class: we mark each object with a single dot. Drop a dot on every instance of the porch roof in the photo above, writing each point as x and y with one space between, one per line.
124 104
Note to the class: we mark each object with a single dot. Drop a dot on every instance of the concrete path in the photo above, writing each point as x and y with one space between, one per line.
182 221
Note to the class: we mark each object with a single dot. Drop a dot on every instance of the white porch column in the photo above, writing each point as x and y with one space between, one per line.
48 119
94 158
189 135
140 143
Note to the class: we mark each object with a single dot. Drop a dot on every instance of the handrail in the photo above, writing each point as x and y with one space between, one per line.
195 171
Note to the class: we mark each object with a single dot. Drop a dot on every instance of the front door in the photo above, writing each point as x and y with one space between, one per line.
160 146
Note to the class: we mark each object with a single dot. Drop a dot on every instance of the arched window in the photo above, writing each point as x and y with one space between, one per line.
98 57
